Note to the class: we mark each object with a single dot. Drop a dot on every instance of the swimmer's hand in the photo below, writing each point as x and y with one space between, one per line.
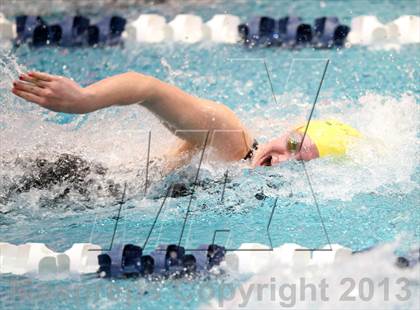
55 93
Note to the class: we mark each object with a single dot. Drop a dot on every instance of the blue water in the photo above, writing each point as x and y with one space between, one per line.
365 200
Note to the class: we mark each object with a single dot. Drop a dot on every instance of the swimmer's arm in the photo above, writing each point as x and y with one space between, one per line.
61 94
185 115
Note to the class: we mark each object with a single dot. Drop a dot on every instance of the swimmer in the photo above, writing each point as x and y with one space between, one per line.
187 117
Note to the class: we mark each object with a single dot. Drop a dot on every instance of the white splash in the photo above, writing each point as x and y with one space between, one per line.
326 287
384 161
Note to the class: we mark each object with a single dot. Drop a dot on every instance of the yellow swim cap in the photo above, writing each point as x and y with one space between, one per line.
331 137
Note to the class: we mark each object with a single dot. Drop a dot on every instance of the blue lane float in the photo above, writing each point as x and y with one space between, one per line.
125 261
288 32
409 261
293 32
328 32
121 261
32 30
73 31
107 31
259 30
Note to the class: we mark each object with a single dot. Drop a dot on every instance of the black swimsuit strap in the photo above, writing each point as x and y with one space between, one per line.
250 153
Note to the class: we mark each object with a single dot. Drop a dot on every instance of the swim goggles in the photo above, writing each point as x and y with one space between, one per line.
293 143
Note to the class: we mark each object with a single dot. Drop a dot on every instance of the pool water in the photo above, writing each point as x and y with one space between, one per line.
368 199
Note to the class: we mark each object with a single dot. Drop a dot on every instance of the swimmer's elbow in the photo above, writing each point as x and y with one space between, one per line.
143 85
147 81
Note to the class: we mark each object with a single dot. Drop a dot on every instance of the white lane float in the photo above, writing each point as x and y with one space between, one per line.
38 259
337 254
7 28
250 258
189 28
32 258
368 30
405 29
83 257
287 255
255 257
150 28
224 28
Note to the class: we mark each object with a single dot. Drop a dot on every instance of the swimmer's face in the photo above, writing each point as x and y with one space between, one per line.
285 148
